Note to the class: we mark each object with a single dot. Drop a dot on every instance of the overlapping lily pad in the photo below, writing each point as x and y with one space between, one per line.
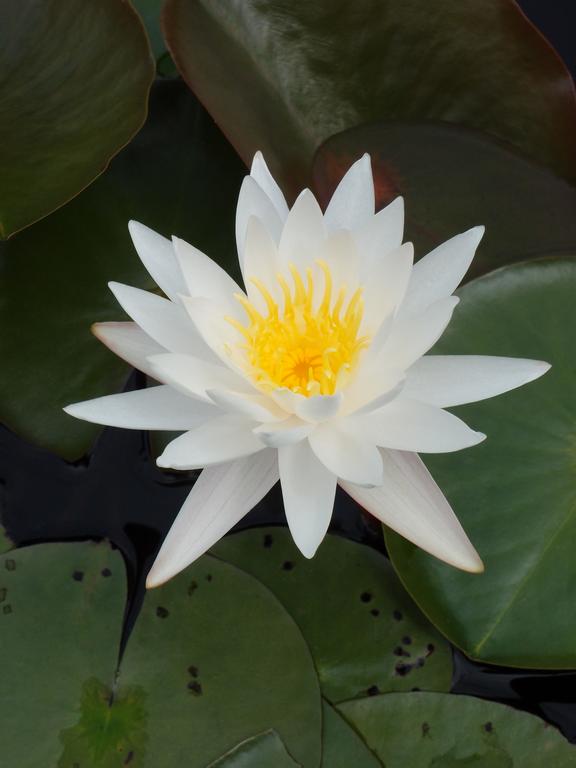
76 79
453 179
178 176
364 632
214 659
284 76
262 750
342 747
515 494
435 730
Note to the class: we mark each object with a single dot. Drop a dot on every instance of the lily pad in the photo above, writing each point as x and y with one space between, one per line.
178 176
342 747
435 730
453 179
219 659
364 632
68 104
61 617
515 494
304 71
260 751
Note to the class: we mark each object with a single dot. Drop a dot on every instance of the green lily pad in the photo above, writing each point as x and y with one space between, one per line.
515 494
435 730
260 751
219 659
178 176
363 630
453 179
303 72
61 617
68 105
6 544
341 745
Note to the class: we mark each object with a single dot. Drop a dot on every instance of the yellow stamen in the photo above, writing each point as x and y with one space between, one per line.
310 351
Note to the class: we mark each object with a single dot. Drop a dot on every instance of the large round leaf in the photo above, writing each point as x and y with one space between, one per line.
453 179
515 494
282 76
219 659
61 614
266 749
341 745
383 644
75 80
179 176
435 730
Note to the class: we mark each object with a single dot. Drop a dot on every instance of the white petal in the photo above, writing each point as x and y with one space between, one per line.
267 182
352 203
303 233
253 201
411 337
308 490
408 425
385 285
254 406
448 380
193 377
157 255
373 383
346 455
339 252
261 262
319 408
211 324
204 278
219 499
153 408
166 322
128 341
287 432
439 273
410 502
381 234
221 439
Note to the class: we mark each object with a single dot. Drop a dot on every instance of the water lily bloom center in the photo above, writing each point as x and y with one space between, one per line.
310 344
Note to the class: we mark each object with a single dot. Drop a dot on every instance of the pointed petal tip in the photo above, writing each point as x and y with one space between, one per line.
156 577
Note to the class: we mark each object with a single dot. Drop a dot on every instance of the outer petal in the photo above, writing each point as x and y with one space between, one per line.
448 380
222 439
438 274
261 174
128 341
347 455
385 285
257 407
219 499
408 425
303 233
154 408
381 234
166 322
352 203
308 490
193 377
204 278
253 201
287 432
410 502
157 255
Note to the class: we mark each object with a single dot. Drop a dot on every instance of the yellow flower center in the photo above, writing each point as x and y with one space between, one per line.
308 347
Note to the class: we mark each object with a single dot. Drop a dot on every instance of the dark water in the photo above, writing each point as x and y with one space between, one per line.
119 494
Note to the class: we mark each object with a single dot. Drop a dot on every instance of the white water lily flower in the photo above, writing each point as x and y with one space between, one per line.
313 375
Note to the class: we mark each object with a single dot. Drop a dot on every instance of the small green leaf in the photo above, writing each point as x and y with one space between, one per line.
219 660
364 632
515 494
284 75
435 730
178 176
76 76
262 751
341 745
453 179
